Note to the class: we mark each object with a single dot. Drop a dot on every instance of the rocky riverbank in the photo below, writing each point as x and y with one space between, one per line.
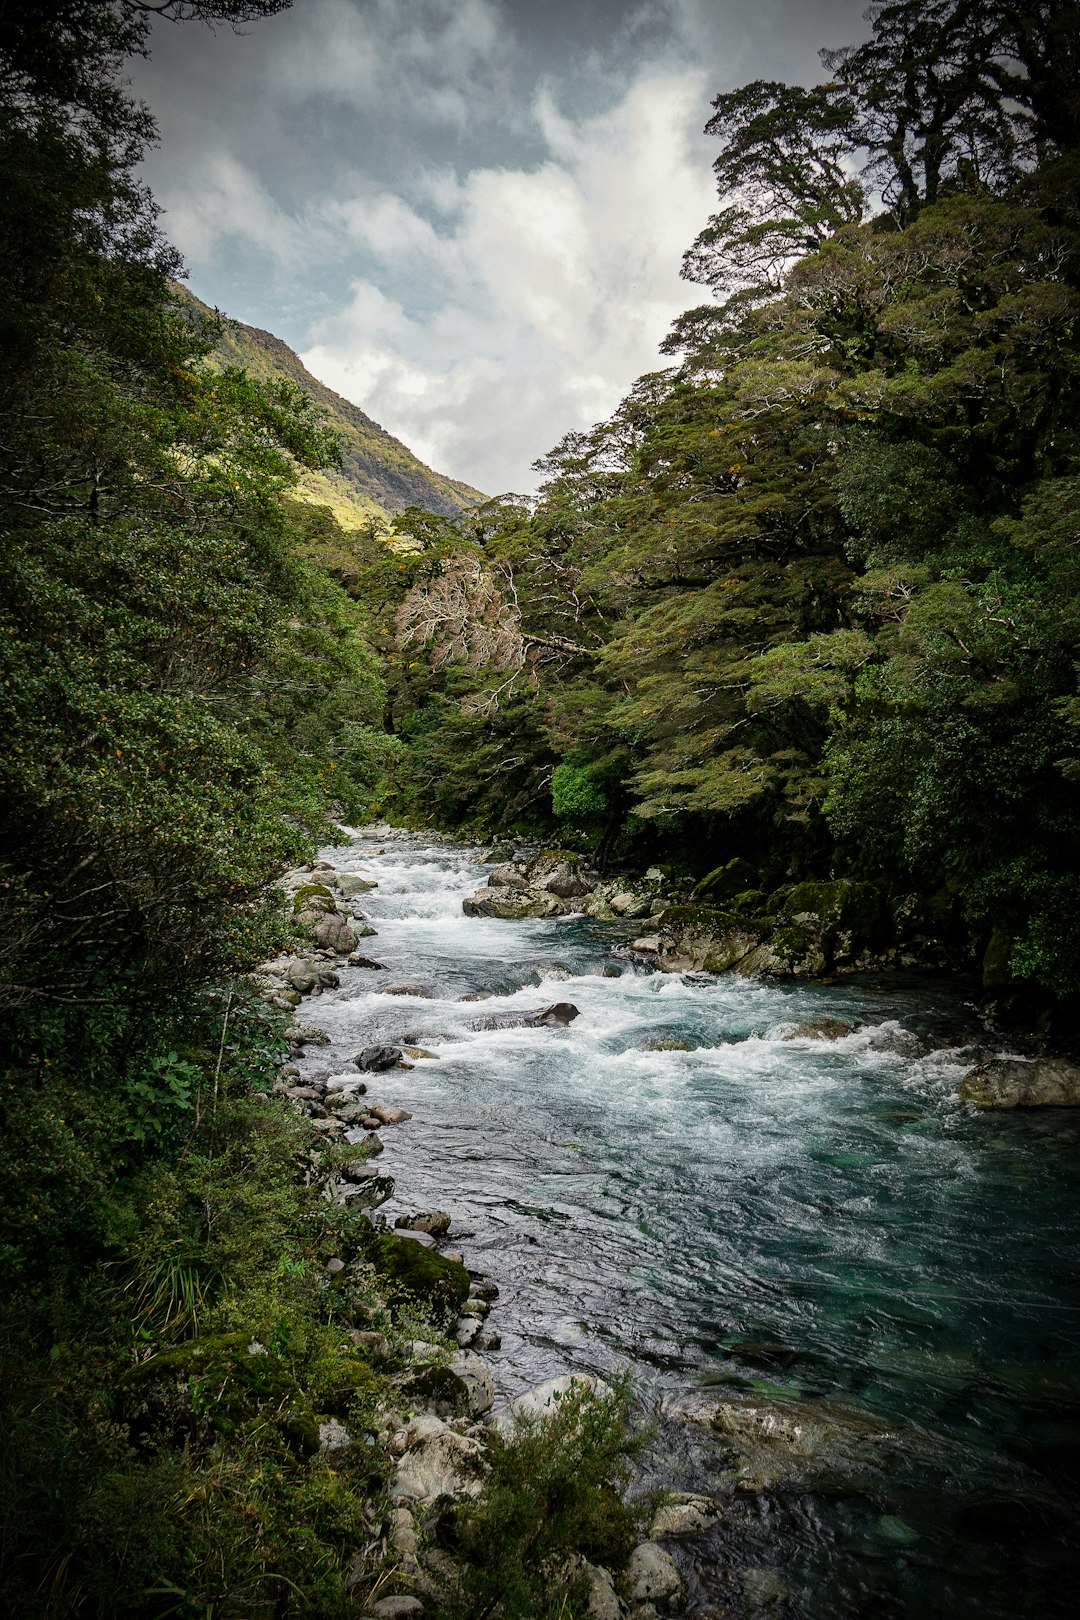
438 1431
439 1428
814 929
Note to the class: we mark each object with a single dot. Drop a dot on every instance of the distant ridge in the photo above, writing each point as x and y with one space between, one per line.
379 475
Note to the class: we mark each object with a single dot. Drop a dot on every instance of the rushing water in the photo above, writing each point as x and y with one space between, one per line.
816 1224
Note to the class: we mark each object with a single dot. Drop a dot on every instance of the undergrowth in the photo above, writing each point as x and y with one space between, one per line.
171 1340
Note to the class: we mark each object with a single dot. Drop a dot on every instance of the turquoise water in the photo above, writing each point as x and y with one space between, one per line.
812 1228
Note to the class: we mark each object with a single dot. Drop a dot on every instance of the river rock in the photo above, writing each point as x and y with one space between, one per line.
514 903
820 1029
603 1602
388 1115
353 1113
467 1329
566 881
351 883
504 877
302 975
475 1375
401 1606
1006 1083
333 932
433 1221
648 944
684 1514
374 1059
358 1171
425 1240
367 1194
653 1576
407 990
558 1015
441 1464
765 1591
303 1035
795 1444
366 962
543 1399
419 1052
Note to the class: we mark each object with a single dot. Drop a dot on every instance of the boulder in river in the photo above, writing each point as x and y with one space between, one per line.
683 1514
1006 1083
351 883
407 990
820 1029
374 1059
388 1115
796 1445
557 1016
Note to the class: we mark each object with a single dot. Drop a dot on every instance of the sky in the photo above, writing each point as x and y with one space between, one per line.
467 216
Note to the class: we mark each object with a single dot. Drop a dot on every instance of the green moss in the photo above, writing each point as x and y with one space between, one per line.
418 1273
841 903
729 879
311 891
699 919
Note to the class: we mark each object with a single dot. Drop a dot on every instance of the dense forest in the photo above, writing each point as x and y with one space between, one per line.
808 602
806 607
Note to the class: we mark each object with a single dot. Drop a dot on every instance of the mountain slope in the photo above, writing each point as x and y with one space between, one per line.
378 474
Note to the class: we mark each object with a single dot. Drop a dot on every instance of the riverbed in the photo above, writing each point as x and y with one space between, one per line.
674 1189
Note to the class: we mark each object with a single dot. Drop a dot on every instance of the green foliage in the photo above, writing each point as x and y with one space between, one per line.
822 577
574 796
552 1497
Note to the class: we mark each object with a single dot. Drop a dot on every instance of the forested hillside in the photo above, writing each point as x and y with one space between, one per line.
378 475
810 600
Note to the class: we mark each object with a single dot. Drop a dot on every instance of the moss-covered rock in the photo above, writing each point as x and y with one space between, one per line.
308 893
726 881
841 903
420 1274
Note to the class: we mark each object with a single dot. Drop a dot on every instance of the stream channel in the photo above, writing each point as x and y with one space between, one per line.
880 1282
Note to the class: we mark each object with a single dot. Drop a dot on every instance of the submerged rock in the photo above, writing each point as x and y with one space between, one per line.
820 1029
1006 1083
796 1444
351 883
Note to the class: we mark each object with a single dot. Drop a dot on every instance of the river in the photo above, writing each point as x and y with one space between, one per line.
805 1226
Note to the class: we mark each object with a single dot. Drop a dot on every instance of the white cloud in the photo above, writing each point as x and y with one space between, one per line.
555 286
224 201
431 59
